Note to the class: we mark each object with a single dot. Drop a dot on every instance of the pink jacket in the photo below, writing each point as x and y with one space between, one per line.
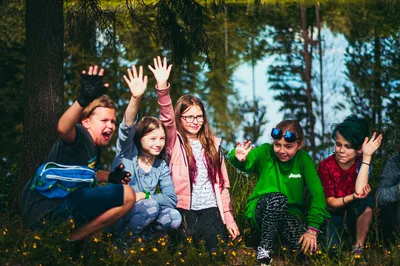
179 164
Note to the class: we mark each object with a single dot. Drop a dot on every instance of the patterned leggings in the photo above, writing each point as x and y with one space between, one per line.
147 213
272 216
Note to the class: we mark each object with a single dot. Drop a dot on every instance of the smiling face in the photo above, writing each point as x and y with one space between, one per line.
284 150
153 142
101 125
192 128
345 155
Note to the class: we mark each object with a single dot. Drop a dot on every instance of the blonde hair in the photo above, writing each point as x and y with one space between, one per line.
102 101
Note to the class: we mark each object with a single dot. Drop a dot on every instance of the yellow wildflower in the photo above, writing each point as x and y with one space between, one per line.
132 251
155 249
214 253
234 253
140 240
37 237
59 249
141 249
34 245
182 260
96 240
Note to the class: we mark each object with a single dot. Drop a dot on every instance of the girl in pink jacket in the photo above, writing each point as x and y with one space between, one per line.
197 166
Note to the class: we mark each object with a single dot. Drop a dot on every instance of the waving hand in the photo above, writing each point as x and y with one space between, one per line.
242 150
137 83
161 72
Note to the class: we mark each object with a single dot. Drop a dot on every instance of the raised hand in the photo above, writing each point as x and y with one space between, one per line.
92 85
119 176
161 72
137 83
242 150
371 145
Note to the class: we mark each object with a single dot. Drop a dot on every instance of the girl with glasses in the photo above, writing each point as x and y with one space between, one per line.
344 176
278 202
197 165
141 149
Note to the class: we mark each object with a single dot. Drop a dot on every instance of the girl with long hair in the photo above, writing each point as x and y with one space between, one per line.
197 165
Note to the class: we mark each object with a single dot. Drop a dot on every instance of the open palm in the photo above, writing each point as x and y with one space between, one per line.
371 145
242 150
161 70
137 83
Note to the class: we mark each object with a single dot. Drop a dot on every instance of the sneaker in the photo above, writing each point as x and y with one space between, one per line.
263 256
358 252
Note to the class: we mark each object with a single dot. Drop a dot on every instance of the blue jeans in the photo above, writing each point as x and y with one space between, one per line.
148 214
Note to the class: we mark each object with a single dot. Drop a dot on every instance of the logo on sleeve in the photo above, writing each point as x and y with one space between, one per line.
294 175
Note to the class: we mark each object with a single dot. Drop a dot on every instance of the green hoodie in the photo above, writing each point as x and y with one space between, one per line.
289 178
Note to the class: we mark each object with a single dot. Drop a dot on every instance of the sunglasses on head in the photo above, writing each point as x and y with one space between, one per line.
289 136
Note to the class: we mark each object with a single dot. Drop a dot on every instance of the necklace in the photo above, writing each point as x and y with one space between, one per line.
146 159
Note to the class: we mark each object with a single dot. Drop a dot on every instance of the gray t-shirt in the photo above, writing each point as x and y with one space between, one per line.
34 206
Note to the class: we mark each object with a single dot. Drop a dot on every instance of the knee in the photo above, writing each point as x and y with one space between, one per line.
129 196
176 219
368 212
276 197
152 207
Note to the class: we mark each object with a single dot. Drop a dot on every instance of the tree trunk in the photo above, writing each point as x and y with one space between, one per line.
307 79
321 77
378 89
43 83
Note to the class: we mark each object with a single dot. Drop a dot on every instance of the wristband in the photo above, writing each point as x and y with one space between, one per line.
343 200
148 196
365 163
313 229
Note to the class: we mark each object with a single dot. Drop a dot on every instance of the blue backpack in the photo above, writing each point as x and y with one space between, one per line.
54 180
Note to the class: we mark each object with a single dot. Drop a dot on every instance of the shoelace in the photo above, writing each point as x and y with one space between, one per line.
262 253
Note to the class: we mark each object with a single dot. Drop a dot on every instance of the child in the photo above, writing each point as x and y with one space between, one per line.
81 144
141 148
388 198
277 205
344 176
197 165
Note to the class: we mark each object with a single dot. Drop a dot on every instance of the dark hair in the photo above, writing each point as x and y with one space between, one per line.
354 129
294 127
206 137
146 125
102 101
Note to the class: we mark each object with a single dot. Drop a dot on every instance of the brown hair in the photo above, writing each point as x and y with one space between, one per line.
206 137
146 125
292 126
102 101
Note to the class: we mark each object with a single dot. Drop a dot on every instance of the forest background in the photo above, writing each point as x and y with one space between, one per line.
44 44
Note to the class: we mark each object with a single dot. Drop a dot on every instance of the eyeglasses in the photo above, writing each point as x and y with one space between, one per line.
191 118
289 136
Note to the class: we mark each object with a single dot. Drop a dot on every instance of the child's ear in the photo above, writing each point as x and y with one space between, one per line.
85 123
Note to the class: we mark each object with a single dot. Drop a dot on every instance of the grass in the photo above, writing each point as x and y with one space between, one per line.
49 246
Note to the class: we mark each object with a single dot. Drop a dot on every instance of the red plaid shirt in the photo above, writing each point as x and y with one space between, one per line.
336 181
